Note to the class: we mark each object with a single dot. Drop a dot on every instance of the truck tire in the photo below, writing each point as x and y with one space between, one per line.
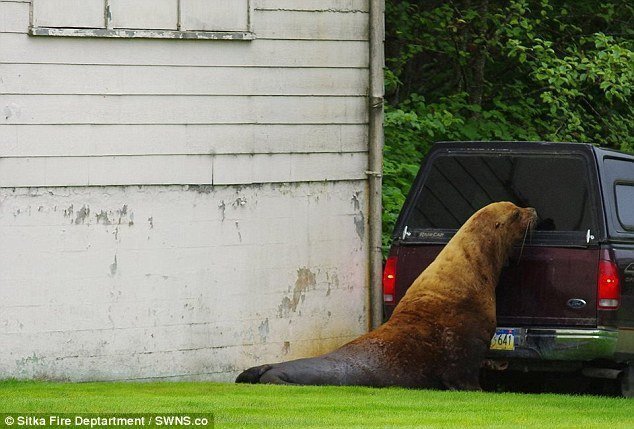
627 382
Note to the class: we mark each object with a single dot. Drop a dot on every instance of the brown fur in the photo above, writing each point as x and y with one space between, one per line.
439 332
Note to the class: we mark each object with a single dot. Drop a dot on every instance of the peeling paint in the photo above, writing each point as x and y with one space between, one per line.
359 224
355 200
110 319
329 9
306 279
359 218
142 34
113 267
240 202
69 211
82 215
151 222
238 229
201 189
123 213
33 365
333 279
102 217
286 348
222 208
263 329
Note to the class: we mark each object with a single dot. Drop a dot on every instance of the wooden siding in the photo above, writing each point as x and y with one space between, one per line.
267 53
173 109
124 170
249 244
81 79
314 5
296 94
110 140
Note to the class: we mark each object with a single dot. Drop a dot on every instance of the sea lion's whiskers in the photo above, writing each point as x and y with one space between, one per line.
523 243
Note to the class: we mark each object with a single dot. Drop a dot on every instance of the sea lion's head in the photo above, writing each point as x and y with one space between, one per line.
506 220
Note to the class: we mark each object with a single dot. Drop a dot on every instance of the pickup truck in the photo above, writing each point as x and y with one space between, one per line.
565 300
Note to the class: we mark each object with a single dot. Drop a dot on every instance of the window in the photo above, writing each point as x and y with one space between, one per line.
178 19
459 185
624 193
144 14
618 185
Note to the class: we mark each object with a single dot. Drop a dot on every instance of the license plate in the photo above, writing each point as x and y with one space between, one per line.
504 339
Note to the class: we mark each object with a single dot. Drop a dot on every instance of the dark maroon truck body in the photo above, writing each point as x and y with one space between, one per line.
552 297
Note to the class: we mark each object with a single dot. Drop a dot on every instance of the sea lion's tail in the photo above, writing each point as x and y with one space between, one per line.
253 375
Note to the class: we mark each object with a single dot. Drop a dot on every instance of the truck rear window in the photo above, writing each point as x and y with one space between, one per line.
625 204
458 185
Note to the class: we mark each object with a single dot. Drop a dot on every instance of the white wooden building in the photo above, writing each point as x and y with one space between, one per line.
187 187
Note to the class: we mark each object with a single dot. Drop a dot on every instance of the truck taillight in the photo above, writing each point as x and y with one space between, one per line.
609 289
389 280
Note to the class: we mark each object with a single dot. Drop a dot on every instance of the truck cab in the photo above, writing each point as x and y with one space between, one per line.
565 299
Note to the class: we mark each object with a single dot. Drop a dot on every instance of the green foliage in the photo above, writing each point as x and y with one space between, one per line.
503 70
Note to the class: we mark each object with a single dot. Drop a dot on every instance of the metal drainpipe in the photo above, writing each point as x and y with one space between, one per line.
375 158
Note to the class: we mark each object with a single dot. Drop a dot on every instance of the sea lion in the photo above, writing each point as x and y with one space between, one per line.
440 331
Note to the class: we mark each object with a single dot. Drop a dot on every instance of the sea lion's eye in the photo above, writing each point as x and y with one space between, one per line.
515 215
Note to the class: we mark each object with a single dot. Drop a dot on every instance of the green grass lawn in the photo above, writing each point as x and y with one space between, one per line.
319 407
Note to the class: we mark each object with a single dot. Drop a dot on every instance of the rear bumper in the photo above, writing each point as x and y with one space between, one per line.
561 344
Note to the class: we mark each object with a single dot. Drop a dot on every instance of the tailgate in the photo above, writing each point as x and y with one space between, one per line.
546 288
550 286
412 260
